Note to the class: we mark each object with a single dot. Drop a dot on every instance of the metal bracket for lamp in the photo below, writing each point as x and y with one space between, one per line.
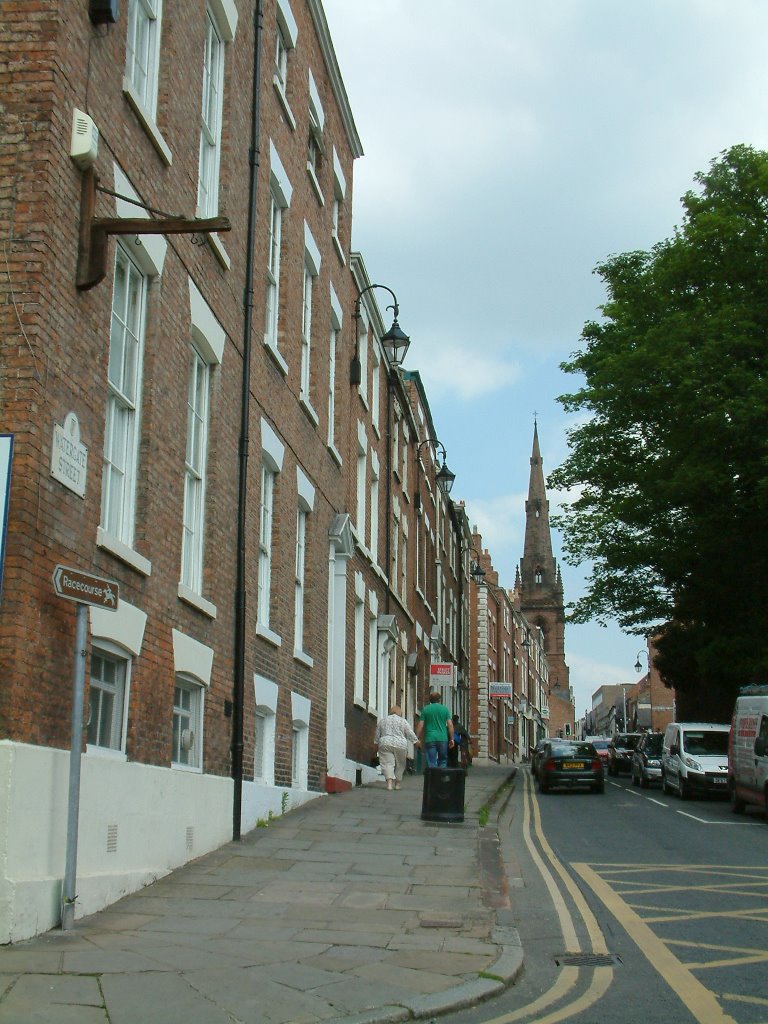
92 242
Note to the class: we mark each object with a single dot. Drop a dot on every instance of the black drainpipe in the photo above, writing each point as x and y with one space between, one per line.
238 688
388 535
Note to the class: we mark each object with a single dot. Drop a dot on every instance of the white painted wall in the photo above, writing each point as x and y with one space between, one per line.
164 818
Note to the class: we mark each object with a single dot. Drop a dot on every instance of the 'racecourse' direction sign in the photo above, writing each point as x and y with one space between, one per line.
83 587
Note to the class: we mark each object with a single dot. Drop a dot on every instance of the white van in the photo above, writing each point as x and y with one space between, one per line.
748 760
694 759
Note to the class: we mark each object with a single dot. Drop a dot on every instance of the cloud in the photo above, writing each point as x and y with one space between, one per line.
589 674
501 522
448 373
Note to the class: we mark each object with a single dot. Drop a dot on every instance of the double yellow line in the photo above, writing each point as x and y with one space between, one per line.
699 1000
568 977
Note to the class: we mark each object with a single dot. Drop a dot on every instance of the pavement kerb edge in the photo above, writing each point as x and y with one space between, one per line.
509 785
502 974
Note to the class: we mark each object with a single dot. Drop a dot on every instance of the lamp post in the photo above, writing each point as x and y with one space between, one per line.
477 572
444 476
394 341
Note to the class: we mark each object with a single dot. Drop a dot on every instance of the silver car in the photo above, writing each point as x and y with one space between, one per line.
646 759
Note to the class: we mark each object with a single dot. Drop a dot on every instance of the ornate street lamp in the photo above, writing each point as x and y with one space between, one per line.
394 341
477 572
444 476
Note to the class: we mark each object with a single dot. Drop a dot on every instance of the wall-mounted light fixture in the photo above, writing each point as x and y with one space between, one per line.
477 572
444 476
394 341
638 665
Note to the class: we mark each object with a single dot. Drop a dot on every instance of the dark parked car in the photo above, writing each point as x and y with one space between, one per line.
570 764
646 760
620 751
536 757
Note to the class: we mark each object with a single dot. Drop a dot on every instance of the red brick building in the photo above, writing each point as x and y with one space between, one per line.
652 703
208 418
510 670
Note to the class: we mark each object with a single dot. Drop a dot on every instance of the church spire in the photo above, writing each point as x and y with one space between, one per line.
538 560
541 585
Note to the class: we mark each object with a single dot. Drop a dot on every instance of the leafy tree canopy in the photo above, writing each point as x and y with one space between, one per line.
669 461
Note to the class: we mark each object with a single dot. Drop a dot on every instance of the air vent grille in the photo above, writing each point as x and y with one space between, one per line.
111 838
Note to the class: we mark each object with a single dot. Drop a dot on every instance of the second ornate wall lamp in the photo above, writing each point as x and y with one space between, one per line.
444 477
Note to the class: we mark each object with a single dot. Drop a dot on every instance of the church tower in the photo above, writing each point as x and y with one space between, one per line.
540 589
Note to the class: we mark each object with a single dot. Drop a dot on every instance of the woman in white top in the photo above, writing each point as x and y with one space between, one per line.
392 735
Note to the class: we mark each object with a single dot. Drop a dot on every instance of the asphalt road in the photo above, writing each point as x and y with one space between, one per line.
662 904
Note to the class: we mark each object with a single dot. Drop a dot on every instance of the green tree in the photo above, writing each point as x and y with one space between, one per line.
670 459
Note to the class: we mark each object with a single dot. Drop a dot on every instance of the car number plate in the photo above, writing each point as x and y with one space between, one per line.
720 781
573 764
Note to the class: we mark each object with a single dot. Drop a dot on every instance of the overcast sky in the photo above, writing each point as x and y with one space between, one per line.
510 146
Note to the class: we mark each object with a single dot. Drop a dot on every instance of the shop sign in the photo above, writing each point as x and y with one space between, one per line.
500 690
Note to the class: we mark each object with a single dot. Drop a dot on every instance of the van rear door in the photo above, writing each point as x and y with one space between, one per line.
761 761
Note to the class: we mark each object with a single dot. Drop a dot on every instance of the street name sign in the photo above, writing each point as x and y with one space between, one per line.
83 587
69 458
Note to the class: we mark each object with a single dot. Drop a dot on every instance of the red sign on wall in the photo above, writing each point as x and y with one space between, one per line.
441 672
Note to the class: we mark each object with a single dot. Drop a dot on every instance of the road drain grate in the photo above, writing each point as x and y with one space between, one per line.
587 960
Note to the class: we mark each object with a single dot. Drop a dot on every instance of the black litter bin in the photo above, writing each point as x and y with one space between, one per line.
443 798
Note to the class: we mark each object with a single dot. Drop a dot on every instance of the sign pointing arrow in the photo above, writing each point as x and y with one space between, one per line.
83 587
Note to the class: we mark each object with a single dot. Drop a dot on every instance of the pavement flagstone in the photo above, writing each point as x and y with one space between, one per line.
348 910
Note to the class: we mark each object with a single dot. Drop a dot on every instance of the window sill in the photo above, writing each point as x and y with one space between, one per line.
306 405
380 573
315 184
186 768
147 122
284 103
303 658
121 551
197 601
219 251
360 703
267 634
107 752
335 454
339 250
271 347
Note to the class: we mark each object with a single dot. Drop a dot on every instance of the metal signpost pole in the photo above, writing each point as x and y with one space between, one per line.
68 895
84 589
